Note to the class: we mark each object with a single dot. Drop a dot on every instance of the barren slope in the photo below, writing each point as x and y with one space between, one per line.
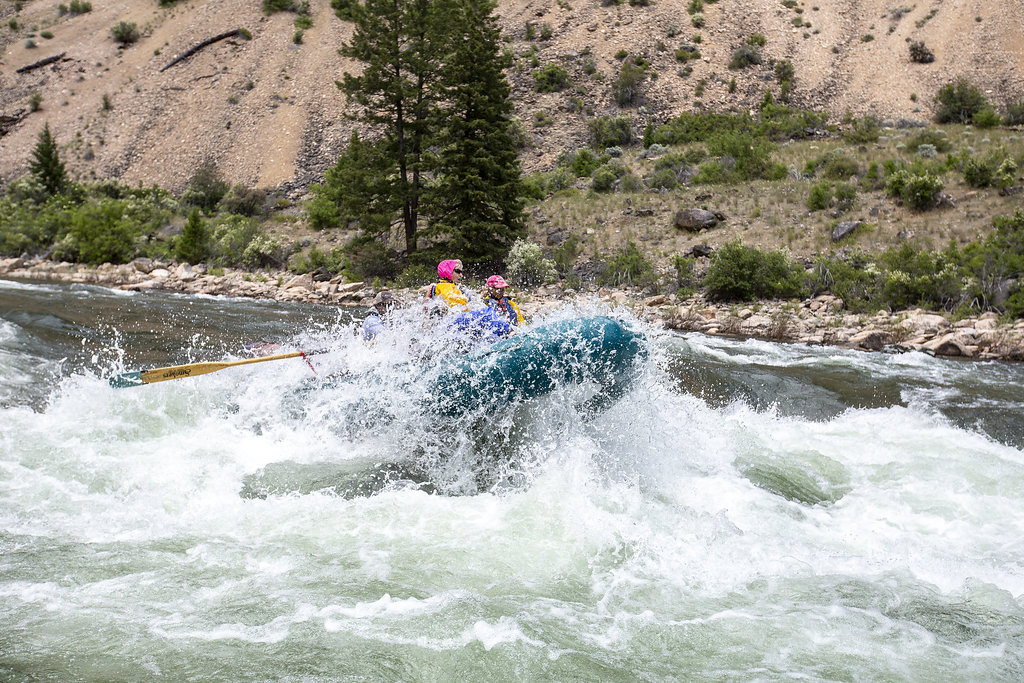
267 113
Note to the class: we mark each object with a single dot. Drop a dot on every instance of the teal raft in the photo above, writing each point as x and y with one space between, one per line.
599 349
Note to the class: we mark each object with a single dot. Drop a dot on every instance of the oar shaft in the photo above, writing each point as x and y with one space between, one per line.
131 379
194 369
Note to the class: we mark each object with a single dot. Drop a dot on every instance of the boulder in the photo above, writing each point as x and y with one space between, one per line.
872 339
699 251
926 323
953 344
143 265
300 282
695 220
844 229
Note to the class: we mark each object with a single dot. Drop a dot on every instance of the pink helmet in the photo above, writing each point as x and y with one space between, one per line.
496 281
446 268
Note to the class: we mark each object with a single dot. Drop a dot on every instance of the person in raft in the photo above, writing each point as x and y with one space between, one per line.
496 297
450 289
380 311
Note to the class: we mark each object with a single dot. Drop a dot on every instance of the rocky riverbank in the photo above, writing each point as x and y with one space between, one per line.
822 320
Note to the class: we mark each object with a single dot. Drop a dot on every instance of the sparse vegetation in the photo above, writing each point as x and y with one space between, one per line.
959 102
125 32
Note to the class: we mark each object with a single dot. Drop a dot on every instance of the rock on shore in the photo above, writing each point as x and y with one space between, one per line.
821 320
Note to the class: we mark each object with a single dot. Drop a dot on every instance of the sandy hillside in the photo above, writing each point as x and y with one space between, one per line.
267 113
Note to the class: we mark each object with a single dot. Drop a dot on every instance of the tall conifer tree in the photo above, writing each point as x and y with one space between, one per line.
393 40
46 165
475 204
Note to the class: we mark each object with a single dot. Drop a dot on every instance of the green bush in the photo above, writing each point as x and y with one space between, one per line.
264 251
986 118
958 102
626 88
205 189
663 179
627 267
231 236
526 265
863 131
99 232
919 192
604 178
583 161
929 136
344 9
846 196
610 131
820 196
550 78
125 32
744 56
1013 115
332 262
741 273
835 165
243 200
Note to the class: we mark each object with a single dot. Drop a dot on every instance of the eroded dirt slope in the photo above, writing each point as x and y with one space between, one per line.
267 113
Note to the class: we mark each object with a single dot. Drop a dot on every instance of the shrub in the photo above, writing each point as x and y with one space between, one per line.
343 9
663 179
687 52
741 273
611 131
920 192
820 196
863 131
627 267
193 243
744 56
332 262
958 102
550 78
231 235
846 196
79 7
626 88
603 179
264 251
835 165
243 200
125 32
698 20
35 101
986 118
583 161
526 265
919 53
99 232
929 136
205 189
630 182
1014 113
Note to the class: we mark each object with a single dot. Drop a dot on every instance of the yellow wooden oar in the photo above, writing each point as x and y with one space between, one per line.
139 377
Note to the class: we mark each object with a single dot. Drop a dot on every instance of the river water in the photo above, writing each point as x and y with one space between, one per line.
747 511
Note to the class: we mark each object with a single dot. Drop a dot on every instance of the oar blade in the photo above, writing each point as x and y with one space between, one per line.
126 379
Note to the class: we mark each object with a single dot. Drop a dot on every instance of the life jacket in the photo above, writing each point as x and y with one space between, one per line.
452 295
507 308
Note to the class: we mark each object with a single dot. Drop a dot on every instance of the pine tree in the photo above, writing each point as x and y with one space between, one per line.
46 165
476 204
355 188
393 39
193 244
